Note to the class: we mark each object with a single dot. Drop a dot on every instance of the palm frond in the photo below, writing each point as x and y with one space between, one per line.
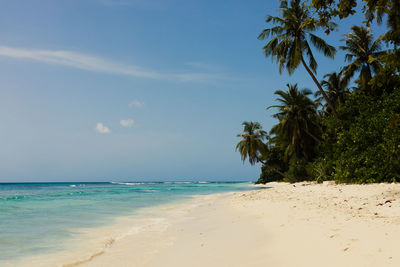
322 46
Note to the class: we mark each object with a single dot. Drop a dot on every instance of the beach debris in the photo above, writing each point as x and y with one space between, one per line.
346 249
386 202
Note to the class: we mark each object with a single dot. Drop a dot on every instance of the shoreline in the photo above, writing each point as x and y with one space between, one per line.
302 224
94 241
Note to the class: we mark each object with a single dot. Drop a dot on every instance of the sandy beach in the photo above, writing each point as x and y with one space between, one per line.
303 224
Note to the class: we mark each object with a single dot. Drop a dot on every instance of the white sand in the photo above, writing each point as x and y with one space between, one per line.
284 225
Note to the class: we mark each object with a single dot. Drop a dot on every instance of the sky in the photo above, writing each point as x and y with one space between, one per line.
136 90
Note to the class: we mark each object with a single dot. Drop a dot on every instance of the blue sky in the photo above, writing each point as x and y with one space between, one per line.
102 90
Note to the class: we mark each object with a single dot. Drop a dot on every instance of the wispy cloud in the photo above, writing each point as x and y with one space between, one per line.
97 64
126 123
136 103
101 128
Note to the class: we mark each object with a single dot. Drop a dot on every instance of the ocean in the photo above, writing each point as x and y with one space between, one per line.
42 218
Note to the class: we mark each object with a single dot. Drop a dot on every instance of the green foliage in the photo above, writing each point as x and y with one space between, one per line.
298 128
363 53
297 170
336 89
320 170
365 147
290 41
388 77
275 160
291 36
372 9
251 146
358 143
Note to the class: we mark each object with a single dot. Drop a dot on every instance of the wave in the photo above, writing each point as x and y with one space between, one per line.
121 183
155 224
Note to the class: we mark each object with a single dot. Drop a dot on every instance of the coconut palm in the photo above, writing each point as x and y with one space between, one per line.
290 41
336 88
298 126
252 145
363 54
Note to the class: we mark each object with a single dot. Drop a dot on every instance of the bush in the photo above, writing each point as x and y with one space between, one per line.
275 159
297 171
365 147
320 170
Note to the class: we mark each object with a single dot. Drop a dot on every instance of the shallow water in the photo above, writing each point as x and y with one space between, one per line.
37 218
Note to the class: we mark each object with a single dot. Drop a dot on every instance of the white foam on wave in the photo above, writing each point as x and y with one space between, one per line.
121 183
153 224
133 231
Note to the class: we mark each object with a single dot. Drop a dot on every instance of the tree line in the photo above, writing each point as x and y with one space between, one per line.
349 129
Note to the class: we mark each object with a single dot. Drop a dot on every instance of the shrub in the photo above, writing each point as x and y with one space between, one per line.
365 147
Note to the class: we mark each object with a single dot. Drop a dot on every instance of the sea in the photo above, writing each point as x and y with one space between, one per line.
41 218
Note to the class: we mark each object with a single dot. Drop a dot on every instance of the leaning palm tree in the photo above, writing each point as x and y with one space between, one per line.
298 126
290 43
363 54
336 88
252 145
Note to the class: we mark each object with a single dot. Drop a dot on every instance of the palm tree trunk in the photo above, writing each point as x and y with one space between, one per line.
367 78
320 88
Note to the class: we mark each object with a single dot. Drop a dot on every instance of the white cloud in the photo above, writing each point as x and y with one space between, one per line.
136 103
101 128
126 123
97 64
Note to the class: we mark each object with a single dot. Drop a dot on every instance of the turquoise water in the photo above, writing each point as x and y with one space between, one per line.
36 218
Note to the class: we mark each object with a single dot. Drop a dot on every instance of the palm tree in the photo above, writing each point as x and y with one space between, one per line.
363 53
298 126
336 88
252 145
290 42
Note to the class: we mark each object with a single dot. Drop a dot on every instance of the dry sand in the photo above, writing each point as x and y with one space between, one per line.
301 224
